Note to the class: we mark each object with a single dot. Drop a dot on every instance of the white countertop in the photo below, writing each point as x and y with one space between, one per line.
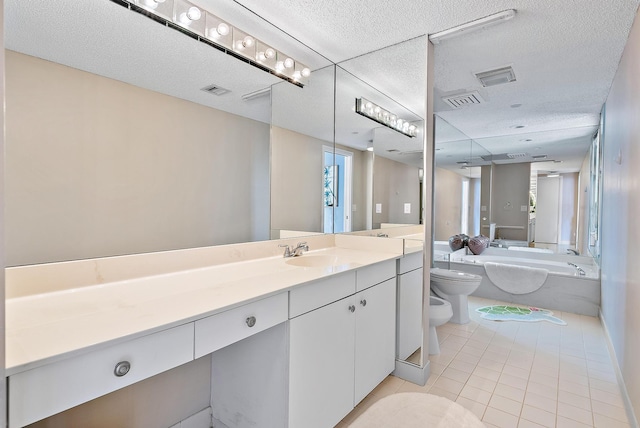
43 328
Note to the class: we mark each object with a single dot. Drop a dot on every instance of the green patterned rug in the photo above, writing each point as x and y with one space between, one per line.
516 313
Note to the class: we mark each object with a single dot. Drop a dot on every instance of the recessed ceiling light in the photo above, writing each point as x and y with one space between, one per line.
518 126
516 105
526 140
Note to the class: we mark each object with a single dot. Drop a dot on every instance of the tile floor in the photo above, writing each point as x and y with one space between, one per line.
519 374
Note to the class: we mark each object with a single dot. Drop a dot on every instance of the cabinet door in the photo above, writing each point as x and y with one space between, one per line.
409 313
322 365
375 337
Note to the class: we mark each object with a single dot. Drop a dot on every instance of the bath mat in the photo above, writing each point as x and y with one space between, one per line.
517 313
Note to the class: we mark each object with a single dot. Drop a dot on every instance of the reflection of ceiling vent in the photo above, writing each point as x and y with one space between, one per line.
496 77
538 157
215 90
464 100
504 156
517 155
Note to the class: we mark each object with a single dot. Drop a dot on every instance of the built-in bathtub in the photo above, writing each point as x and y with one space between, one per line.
565 288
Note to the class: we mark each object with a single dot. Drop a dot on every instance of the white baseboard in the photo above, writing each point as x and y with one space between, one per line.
413 373
633 421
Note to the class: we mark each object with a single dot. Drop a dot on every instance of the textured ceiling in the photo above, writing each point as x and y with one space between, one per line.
564 55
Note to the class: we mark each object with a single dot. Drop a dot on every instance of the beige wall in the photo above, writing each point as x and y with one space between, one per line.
569 208
96 167
620 231
583 207
509 191
395 184
447 204
296 181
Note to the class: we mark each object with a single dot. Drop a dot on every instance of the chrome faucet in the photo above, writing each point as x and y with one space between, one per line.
571 250
294 252
578 268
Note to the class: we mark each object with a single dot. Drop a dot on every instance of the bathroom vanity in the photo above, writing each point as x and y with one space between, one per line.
285 334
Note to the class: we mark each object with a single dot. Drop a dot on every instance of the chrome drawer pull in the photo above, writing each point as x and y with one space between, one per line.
251 321
122 368
363 302
352 308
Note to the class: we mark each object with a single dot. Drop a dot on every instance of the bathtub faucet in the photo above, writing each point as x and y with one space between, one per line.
578 268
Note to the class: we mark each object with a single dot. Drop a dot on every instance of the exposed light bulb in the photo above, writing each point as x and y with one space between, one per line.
306 72
377 109
194 13
261 56
297 75
279 66
368 105
153 4
222 29
288 63
248 41
269 53
239 45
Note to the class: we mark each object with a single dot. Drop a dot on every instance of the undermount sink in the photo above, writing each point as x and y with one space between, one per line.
315 261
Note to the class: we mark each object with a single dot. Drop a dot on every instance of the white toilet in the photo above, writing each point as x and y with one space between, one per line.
439 313
454 286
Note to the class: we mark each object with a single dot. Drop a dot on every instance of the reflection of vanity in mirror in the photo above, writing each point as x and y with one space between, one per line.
115 153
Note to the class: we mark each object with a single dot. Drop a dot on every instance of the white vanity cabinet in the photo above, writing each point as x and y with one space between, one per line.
44 391
340 351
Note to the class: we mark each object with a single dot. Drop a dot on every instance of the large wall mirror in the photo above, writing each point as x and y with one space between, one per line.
485 186
114 148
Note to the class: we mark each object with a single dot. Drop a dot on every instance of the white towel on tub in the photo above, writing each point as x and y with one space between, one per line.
515 279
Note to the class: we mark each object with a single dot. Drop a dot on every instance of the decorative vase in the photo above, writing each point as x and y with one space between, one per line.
477 244
456 242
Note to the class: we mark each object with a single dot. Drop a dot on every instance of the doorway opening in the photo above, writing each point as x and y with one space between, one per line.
337 183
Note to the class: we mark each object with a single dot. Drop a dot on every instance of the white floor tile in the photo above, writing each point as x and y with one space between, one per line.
526 375
575 413
506 405
539 416
499 418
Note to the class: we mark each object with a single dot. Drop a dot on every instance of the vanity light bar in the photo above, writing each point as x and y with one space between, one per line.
206 27
376 113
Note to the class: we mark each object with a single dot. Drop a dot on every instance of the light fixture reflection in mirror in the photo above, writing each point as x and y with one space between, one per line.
376 113
204 26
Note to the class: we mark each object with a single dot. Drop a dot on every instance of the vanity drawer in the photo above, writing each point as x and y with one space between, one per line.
410 262
320 293
44 391
375 274
220 330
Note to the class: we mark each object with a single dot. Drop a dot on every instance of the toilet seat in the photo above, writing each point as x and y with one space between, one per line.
453 276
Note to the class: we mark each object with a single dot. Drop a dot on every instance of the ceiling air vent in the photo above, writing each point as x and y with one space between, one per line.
538 157
464 100
215 90
517 155
496 77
